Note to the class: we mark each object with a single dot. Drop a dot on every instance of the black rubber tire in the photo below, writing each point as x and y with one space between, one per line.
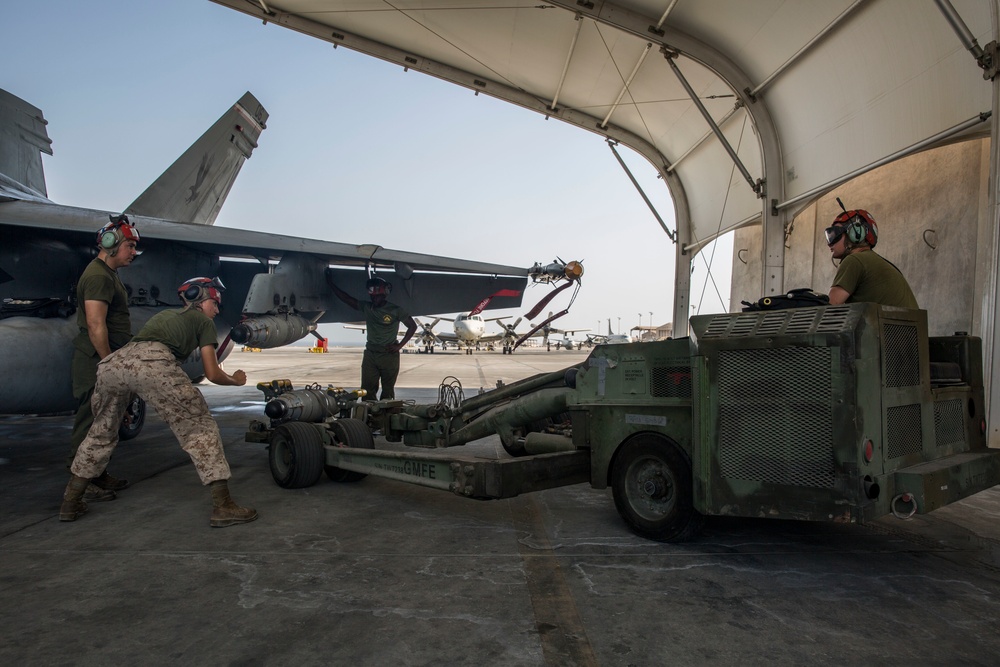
296 455
653 491
349 433
132 422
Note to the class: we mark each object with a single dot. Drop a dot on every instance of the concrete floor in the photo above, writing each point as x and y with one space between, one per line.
383 573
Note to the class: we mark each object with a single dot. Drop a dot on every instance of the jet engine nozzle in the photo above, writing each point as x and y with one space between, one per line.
270 331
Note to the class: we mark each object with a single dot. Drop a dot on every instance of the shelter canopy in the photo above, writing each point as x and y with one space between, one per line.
805 93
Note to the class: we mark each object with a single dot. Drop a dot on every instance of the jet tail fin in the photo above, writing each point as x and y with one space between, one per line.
23 139
194 187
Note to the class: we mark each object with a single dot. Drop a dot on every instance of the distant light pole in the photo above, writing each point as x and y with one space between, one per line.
640 320
619 325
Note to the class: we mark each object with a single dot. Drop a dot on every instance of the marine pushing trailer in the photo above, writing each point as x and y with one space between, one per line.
834 413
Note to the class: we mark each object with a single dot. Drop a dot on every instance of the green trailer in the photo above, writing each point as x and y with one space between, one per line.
833 413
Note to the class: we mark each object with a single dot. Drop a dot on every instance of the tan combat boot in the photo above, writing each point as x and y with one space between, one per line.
73 506
225 512
95 494
109 483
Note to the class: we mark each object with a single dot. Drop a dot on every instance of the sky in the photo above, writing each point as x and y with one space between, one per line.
356 150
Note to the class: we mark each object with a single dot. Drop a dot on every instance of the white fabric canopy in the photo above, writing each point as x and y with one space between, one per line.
749 109
805 91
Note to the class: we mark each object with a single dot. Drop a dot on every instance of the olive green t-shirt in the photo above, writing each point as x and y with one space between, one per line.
868 276
182 330
100 283
382 324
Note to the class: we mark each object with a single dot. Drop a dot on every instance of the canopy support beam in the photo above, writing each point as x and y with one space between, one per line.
991 291
774 221
642 193
569 57
756 186
627 83
929 142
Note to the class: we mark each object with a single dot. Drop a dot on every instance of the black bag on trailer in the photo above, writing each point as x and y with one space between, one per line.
803 297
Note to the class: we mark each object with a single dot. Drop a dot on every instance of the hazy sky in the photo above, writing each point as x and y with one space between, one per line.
356 150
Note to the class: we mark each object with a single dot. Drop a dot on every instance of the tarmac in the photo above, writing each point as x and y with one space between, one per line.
380 572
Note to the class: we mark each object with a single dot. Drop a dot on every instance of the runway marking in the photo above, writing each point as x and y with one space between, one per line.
482 376
560 628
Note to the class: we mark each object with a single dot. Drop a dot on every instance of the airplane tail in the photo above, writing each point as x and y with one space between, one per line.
23 139
194 187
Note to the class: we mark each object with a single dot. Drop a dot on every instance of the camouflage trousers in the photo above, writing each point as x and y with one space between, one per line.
150 370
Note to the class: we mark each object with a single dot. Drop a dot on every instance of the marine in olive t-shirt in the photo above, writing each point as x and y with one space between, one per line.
101 283
867 276
183 330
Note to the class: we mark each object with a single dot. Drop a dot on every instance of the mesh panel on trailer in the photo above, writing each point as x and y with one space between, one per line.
670 382
904 430
902 358
775 416
949 423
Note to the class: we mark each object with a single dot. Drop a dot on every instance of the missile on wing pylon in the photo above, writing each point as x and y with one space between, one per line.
269 331
557 270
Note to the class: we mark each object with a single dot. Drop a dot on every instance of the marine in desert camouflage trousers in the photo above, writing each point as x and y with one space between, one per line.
150 370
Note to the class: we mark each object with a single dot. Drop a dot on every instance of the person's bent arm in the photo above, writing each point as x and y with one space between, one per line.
214 372
411 328
838 295
97 326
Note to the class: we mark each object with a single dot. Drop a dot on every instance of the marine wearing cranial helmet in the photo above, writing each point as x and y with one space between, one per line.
863 275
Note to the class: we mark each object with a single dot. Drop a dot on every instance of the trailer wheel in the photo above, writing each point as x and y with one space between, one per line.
651 481
296 455
349 433
135 417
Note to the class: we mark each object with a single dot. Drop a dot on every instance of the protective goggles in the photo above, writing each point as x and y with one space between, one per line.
834 233
215 288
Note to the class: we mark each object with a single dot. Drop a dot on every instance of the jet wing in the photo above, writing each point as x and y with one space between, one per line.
72 222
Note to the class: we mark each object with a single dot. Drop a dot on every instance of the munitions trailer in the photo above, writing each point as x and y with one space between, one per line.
833 413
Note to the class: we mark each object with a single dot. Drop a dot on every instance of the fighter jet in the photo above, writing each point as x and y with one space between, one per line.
277 290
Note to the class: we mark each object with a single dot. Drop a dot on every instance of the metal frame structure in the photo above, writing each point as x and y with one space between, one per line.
711 48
